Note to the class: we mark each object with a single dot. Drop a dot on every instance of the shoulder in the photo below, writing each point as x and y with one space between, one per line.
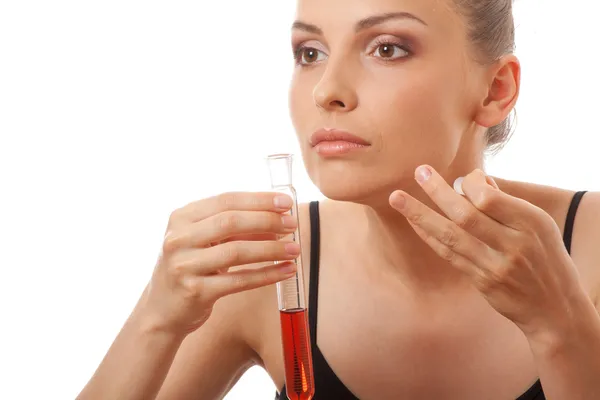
585 251
586 237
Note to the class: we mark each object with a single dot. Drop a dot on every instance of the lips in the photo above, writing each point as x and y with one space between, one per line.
336 143
334 135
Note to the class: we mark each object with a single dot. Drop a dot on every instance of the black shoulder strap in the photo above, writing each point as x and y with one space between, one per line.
313 289
570 221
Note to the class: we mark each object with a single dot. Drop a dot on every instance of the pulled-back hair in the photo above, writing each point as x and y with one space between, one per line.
491 29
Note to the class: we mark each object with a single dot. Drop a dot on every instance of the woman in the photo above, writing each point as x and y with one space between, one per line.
424 291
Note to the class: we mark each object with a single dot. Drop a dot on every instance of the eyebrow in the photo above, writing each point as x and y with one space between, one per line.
381 18
363 24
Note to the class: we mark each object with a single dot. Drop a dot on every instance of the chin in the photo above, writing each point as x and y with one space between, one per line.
353 186
343 191
364 178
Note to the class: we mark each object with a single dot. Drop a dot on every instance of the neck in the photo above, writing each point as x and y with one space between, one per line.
399 251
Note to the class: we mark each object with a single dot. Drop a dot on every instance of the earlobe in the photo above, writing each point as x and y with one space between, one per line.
502 93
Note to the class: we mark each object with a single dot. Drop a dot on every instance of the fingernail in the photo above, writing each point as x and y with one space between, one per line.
423 174
398 200
282 202
288 268
458 185
292 249
491 181
288 222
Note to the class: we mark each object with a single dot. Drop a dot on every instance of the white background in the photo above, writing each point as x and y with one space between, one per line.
113 113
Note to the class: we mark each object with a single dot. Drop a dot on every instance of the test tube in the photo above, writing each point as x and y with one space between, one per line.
295 335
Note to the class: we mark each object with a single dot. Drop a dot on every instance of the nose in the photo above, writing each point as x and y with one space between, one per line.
334 93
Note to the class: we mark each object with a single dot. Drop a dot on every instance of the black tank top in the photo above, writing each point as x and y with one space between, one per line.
327 385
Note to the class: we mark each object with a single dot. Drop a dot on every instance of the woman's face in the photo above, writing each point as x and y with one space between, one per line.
395 73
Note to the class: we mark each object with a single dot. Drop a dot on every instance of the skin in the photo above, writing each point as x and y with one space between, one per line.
401 298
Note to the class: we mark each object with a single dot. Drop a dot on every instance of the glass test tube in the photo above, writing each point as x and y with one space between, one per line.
295 335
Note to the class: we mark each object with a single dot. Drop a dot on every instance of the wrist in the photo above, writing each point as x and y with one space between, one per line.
579 321
149 326
149 323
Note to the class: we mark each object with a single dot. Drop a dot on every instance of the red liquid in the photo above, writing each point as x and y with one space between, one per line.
299 380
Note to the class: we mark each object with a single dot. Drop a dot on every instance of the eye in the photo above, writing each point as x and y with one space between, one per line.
390 51
309 55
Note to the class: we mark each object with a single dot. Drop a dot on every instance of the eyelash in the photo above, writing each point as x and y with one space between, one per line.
390 42
298 51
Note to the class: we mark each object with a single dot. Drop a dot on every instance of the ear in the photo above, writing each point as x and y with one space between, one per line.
502 92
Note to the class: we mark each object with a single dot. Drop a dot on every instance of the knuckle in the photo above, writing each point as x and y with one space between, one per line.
433 188
449 238
227 222
486 283
499 276
478 173
514 259
416 218
230 254
239 282
544 220
268 223
257 201
192 288
466 219
171 242
176 216
447 254
177 271
266 276
264 251
228 200
485 199
275 223
475 176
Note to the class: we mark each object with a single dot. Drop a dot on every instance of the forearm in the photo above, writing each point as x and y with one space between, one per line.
569 360
136 364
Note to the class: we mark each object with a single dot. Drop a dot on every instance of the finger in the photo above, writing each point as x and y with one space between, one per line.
217 286
226 225
458 261
453 237
257 237
483 192
459 209
224 256
242 201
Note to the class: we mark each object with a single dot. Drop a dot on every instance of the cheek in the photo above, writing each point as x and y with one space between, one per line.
300 101
415 107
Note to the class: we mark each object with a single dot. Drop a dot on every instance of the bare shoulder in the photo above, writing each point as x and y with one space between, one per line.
586 237
586 229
